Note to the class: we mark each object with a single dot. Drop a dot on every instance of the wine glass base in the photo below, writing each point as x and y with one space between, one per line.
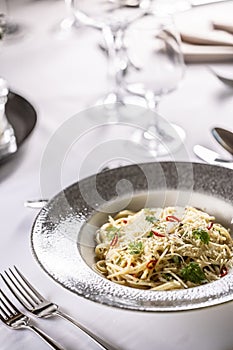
66 28
145 139
169 139
120 108
122 98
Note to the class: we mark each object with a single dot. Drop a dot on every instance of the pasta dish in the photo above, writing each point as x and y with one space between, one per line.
163 249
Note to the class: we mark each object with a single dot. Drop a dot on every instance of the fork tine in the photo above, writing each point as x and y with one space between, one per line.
9 307
32 289
21 288
15 290
3 318
3 313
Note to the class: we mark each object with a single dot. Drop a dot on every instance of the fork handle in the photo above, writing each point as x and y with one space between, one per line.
102 344
52 343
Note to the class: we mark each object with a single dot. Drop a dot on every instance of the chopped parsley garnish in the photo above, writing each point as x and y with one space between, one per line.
111 232
151 218
118 260
176 259
193 273
202 235
167 276
150 234
135 248
112 229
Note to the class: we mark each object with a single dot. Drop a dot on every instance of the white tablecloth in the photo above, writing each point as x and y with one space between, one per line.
61 78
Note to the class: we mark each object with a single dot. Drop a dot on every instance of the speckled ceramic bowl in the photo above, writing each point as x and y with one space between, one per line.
63 235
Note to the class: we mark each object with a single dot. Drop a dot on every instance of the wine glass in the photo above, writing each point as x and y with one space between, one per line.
112 17
9 28
153 45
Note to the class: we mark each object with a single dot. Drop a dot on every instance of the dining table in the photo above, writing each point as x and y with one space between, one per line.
61 75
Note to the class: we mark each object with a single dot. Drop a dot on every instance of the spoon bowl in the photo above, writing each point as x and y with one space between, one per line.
224 137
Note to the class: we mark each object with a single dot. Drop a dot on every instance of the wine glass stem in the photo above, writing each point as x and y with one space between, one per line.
113 41
69 9
153 104
153 130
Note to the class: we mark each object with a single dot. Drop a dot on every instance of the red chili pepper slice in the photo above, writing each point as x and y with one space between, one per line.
172 218
151 264
124 221
209 227
223 271
157 234
114 240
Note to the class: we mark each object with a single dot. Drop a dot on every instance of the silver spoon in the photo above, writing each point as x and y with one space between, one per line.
224 138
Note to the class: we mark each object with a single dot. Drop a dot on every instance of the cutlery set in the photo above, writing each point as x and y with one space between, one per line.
225 139
38 306
212 157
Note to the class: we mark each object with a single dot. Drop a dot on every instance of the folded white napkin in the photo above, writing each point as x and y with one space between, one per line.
228 27
211 37
207 33
208 46
206 53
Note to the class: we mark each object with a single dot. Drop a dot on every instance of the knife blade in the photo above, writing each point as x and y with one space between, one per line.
212 157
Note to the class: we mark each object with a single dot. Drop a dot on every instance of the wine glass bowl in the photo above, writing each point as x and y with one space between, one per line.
112 17
153 47
113 13
9 28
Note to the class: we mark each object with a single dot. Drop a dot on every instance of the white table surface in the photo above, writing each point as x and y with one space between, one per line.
61 78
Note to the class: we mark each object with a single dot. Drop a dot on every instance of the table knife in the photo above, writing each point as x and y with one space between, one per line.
212 157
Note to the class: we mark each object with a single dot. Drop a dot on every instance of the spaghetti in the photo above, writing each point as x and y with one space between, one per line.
163 249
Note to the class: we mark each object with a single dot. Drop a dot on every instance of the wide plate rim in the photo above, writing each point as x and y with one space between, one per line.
118 299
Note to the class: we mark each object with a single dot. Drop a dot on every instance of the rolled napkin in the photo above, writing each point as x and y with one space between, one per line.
206 53
227 27
213 37
206 33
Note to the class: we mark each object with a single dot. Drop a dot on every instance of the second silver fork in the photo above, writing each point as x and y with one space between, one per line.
34 302
15 319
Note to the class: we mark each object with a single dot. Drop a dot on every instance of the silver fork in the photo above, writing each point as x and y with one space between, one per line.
15 319
34 302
